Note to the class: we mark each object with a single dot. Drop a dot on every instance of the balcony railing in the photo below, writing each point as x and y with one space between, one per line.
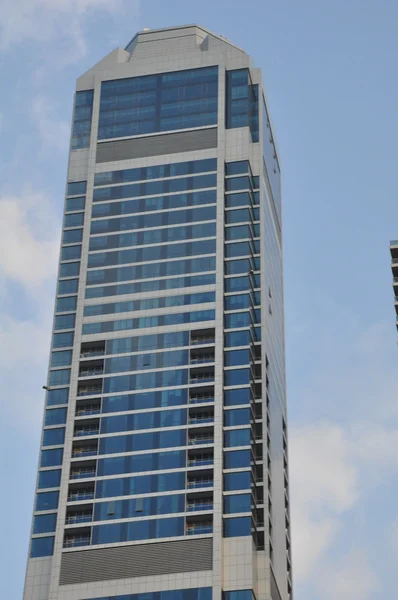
84 432
92 410
82 474
202 340
200 399
92 352
200 483
73 542
208 378
90 372
73 519
84 452
199 529
89 391
81 496
200 506
197 462
202 359
200 440
201 419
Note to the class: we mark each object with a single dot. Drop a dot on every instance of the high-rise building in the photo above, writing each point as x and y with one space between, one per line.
163 468
394 269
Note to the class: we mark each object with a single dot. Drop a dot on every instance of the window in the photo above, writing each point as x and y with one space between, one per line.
237 481
237 320
55 397
69 286
242 102
156 461
144 484
145 400
66 304
161 102
239 437
49 479
60 377
44 523
238 503
47 501
238 338
72 236
64 322
237 527
239 199
234 397
143 441
122 509
61 359
63 340
237 459
236 417
237 377
156 171
51 458
239 595
82 114
237 302
73 204
76 188
187 594
237 168
55 416
236 357
74 220
53 437
71 252
138 530
236 284
43 546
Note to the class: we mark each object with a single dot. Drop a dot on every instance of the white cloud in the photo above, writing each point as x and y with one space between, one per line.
29 239
54 133
22 21
324 484
349 578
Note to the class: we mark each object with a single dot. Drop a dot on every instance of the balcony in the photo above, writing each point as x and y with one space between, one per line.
74 541
91 372
201 378
90 390
84 451
203 482
82 473
197 360
79 495
201 419
199 398
79 517
92 352
200 439
85 411
199 528
199 506
201 461
83 431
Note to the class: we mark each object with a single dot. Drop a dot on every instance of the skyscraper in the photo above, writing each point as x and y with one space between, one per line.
163 468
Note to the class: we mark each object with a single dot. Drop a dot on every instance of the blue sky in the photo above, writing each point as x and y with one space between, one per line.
330 74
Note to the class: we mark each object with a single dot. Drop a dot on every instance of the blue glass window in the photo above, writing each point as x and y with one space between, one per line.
236 284
153 220
237 481
151 286
63 340
148 304
234 397
237 168
237 377
64 322
125 509
51 458
239 416
44 523
71 252
144 484
69 270
242 102
72 236
137 530
69 286
237 527
47 500
143 401
141 205
147 342
49 479
55 397
151 253
66 304
43 546
147 420
187 594
73 204
148 322
62 358
238 503
237 338
237 302
156 461
82 114
148 271
234 358
236 320
239 199
238 437
76 188
156 172
55 416
74 220
237 459
233 267
146 361
60 377
239 595
163 102
143 441
53 437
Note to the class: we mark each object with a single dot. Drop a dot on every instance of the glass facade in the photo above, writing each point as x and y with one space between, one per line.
167 338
